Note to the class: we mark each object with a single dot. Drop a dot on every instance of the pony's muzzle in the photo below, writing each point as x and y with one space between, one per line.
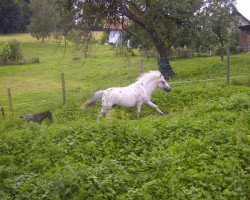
167 89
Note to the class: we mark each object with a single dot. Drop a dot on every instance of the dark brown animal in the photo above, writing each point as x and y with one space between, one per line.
38 117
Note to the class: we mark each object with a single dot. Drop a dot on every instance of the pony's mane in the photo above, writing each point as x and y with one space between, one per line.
149 76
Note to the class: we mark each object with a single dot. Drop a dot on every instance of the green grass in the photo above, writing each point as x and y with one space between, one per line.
198 150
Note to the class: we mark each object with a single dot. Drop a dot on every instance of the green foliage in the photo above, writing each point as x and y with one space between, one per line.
11 51
6 53
43 20
240 102
153 24
220 27
12 54
104 37
192 155
14 16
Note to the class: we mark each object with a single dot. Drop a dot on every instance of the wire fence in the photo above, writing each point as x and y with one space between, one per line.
67 95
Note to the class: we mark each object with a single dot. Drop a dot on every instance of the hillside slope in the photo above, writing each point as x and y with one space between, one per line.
198 150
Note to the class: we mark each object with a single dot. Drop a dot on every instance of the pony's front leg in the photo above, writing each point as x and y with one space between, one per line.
139 104
149 103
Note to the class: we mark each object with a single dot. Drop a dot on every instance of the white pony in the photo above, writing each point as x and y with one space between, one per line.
129 96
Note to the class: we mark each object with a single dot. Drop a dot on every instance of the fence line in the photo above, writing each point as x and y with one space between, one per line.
24 103
228 65
2 110
204 80
63 88
176 82
10 100
141 63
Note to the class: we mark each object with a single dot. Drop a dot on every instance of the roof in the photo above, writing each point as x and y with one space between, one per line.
242 17
116 25
245 28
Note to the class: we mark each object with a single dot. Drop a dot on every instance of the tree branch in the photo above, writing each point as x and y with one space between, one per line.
159 44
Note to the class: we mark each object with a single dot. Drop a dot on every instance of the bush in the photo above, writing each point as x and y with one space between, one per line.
104 37
11 51
239 102
240 50
12 54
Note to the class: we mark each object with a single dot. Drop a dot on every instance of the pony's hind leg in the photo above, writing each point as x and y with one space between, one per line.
149 103
104 110
100 113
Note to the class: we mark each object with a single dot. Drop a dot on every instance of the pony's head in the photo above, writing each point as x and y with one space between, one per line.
162 83
157 78
24 116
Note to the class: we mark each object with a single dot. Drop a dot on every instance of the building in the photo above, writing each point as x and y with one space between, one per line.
244 26
115 31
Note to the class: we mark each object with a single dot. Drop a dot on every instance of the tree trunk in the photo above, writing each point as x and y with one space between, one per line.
222 50
163 62
222 54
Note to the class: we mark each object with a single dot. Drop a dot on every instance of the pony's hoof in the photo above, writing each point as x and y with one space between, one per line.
82 108
166 114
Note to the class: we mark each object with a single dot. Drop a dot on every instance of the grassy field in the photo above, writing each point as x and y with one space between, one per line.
199 150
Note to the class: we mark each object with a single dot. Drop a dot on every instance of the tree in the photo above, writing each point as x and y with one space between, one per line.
14 16
220 20
43 20
167 23
25 14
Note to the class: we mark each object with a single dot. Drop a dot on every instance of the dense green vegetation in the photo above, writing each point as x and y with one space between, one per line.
14 16
198 150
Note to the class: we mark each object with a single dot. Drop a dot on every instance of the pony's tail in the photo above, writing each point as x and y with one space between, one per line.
94 99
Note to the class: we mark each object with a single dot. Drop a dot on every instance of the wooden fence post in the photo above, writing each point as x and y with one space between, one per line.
10 100
141 66
2 112
130 64
228 65
63 88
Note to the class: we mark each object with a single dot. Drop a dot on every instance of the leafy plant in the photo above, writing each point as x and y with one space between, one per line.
11 51
104 37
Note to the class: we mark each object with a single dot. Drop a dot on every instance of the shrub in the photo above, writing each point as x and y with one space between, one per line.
30 60
239 102
11 51
240 50
12 54
104 37
6 53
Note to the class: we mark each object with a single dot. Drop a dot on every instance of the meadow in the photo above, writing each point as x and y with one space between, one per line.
198 150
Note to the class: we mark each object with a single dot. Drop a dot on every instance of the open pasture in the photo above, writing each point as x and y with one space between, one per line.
198 150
